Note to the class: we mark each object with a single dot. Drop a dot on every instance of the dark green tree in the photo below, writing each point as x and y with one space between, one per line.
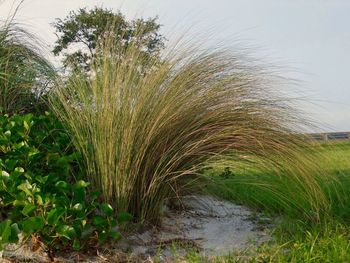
80 32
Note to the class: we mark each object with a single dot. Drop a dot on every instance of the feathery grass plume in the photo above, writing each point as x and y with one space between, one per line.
147 127
24 72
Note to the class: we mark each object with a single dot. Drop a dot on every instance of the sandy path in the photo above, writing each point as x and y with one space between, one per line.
207 225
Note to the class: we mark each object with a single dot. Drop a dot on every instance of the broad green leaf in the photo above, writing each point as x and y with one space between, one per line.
26 125
39 200
78 207
79 195
54 215
5 230
10 164
18 146
62 185
3 142
76 244
25 187
41 179
94 195
28 209
32 152
5 174
102 236
19 169
28 117
7 134
32 224
107 209
14 233
82 184
66 231
17 203
113 223
99 221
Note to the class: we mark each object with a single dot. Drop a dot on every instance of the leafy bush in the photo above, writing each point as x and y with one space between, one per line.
42 193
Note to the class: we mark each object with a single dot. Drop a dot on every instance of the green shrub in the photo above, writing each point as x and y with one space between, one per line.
146 136
42 192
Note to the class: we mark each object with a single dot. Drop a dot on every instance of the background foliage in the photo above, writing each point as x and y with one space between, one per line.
79 33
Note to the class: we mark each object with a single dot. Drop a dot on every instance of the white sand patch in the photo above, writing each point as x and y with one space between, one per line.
210 226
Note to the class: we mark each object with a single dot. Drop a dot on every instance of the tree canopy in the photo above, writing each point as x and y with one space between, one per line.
79 33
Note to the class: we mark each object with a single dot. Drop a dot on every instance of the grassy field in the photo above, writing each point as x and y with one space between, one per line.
260 188
296 238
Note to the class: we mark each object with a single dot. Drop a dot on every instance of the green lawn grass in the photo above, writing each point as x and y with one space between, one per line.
296 239
262 189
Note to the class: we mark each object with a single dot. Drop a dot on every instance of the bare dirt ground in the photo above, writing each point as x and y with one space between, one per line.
206 225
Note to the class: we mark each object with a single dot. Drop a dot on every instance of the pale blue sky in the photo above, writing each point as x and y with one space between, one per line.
308 39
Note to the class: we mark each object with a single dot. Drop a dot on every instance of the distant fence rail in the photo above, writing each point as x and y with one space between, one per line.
329 136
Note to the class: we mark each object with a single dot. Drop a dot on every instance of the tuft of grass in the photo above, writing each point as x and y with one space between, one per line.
147 128
24 72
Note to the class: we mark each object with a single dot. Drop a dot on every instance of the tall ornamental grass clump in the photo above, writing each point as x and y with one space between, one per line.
148 126
24 72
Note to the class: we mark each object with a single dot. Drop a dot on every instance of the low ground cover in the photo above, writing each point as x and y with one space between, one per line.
43 194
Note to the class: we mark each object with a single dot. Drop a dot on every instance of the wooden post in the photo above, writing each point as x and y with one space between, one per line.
325 137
